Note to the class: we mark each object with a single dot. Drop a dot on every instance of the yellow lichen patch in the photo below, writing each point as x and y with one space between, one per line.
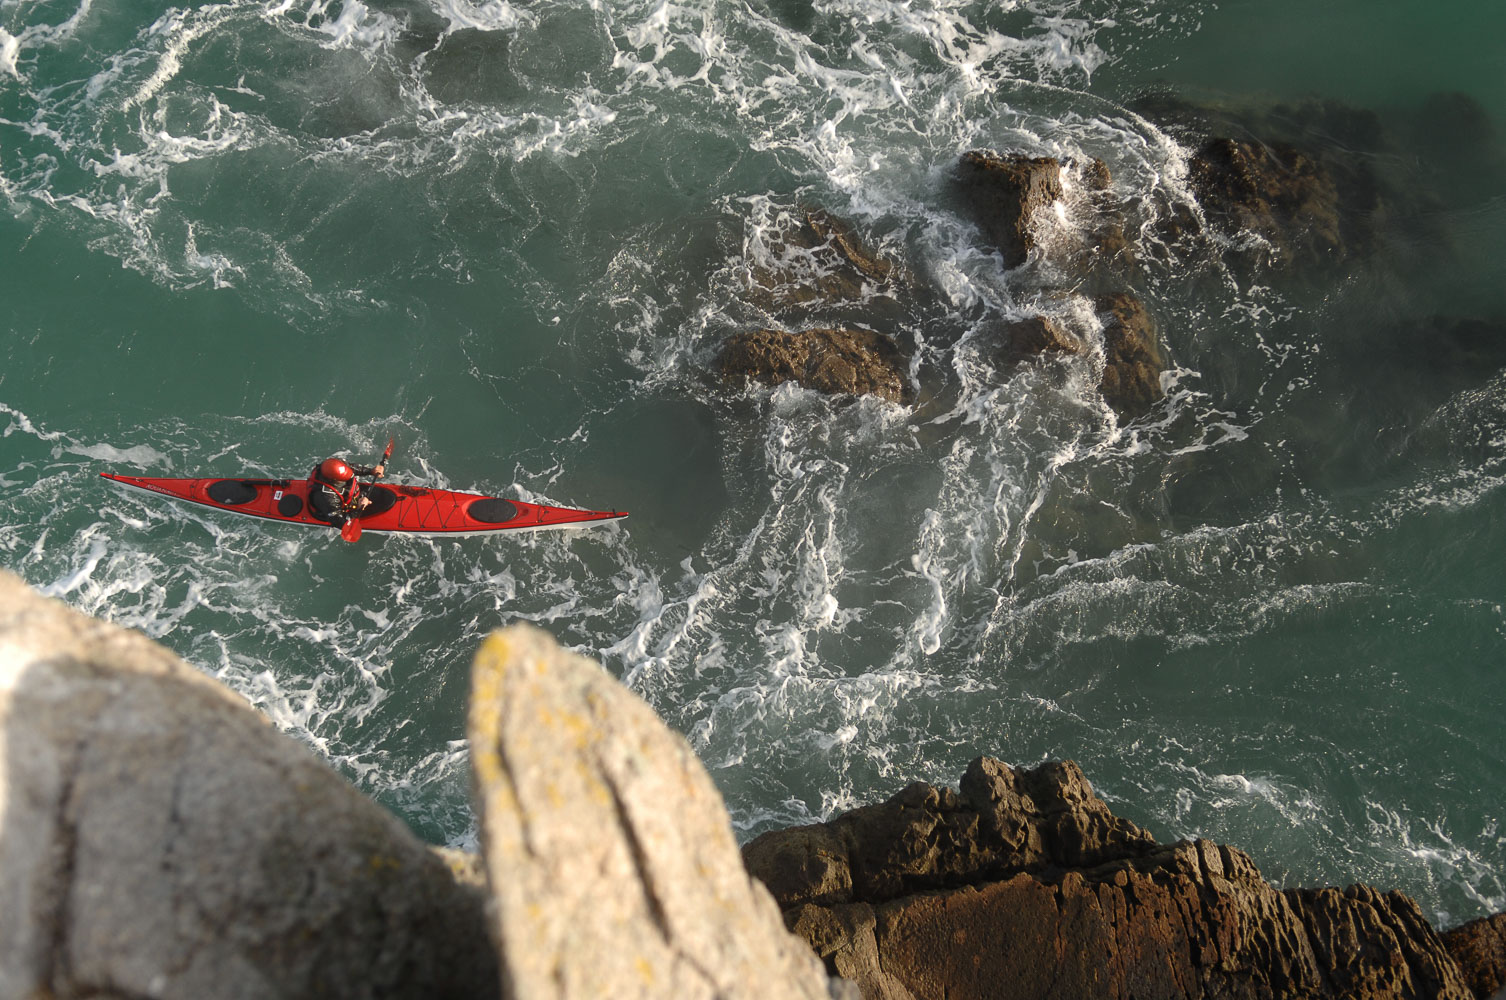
645 970
380 862
488 674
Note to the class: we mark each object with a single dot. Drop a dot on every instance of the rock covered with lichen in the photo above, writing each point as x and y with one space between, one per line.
611 858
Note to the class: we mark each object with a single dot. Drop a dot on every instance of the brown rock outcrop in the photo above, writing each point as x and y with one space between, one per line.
1312 183
1006 193
1480 949
836 361
1132 359
1037 335
1022 884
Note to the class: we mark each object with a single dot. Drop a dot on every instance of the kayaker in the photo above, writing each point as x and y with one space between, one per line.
331 497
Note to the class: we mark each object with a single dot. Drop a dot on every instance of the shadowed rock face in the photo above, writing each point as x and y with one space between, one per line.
1480 949
1022 884
610 855
158 838
1006 193
838 361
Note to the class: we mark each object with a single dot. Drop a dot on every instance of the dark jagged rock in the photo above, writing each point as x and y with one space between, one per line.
1132 355
821 258
1022 884
1294 185
837 361
1480 949
1006 193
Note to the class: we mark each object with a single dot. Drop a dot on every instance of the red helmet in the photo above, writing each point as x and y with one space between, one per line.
334 470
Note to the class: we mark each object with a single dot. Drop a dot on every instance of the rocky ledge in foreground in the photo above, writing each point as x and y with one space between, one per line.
158 838
1023 884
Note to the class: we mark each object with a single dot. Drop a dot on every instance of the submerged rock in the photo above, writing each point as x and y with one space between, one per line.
819 258
836 361
1292 186
1275 192
1022 884
610 855
1132 355
1132 359
159 839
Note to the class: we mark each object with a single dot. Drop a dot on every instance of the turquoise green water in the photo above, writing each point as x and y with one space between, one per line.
239 237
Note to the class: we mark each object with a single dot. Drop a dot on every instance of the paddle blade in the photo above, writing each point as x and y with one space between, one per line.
388 453
350 530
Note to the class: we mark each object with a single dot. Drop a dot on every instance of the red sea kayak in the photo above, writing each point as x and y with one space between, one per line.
413 510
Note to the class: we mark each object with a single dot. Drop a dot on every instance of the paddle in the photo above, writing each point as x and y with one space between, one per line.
351 529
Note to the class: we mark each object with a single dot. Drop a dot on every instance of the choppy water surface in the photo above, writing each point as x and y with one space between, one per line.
241 236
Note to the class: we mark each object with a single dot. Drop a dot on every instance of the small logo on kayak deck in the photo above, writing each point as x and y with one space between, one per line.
277 495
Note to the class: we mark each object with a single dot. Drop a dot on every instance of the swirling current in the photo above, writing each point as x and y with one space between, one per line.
241 236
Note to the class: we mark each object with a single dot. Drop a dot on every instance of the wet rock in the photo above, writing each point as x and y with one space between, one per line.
1480 949
1132 355
835 361
158 838
1275 192
818 258
1131 381
1100 217
1460 146
611 859
1289 186
1023 884
1037 335
1006 193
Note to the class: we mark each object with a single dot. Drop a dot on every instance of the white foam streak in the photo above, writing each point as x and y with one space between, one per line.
10 49
496 15
21 422
36 36
180 29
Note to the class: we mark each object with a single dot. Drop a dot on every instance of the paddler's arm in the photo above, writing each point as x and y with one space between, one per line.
360 501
